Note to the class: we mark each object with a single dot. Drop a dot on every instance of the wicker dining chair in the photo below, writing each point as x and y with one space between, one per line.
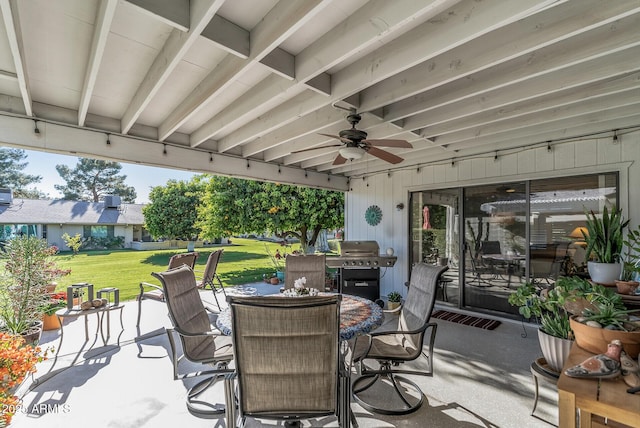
287 359
392 348
201 342
155 292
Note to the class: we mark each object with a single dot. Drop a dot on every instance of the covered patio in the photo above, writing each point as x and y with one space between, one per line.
450 94
482 379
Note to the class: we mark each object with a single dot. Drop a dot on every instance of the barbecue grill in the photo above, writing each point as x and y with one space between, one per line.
359 266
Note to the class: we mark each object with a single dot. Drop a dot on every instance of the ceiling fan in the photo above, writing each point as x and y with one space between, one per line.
355 144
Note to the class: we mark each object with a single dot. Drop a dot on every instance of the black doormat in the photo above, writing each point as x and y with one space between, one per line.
484 323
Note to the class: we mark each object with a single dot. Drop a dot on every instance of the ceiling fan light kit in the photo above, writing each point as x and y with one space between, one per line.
352 153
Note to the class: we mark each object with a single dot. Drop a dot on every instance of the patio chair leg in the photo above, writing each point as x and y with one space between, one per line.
409 407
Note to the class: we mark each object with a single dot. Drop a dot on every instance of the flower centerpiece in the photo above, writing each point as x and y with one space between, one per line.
17 360
300 289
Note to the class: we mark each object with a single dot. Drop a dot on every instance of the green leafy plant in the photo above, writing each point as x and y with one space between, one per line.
56 301
74 242
631 263
569 295
29 268
548 308
604 236
609 316
394 296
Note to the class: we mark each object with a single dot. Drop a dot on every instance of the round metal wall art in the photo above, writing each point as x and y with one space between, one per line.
373 215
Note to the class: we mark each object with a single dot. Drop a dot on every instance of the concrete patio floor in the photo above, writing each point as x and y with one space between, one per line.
482 379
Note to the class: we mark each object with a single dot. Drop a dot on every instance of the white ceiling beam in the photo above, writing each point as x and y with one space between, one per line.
102 26
175 48
505 44
544 116
464 22
174 13
9 76
228 36
567 128
14 37
580 49
281 62
358 31
82 142
280 23
511 111
515 90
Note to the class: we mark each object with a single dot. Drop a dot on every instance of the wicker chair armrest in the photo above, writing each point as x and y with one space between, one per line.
200 334
144 285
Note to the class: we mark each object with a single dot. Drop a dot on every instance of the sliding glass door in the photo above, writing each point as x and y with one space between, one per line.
494 238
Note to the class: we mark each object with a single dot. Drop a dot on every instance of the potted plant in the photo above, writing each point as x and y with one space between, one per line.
28 269
393 300
49 319
604 240
548 308
631 263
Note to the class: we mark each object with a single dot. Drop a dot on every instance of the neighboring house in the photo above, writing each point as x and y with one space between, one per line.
50 219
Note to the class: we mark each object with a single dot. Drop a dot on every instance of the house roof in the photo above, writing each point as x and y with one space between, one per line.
246 88
47 211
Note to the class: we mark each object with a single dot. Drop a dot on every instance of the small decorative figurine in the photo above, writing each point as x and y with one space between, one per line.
600 366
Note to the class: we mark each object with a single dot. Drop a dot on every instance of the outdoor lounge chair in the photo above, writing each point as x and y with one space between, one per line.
154 292
201 343
392 348
210 278
287 359
310 266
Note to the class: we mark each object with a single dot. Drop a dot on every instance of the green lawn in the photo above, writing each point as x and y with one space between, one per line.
243 262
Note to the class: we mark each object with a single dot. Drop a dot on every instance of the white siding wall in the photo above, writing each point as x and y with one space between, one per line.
55 232
573 158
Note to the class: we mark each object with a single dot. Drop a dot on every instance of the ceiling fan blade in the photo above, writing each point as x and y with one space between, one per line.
339 160
389 143
384 155
316 148
346 140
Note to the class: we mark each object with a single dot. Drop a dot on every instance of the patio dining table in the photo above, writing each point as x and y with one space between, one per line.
357 316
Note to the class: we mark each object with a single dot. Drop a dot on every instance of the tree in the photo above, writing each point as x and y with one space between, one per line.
173 209
12 177
234 206
92 179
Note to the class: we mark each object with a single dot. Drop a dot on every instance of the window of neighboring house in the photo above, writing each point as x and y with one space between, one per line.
9 231
98 232
44 231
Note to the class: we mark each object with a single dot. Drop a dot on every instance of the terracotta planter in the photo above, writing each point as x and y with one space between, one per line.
626 287
50 322
595 340
554 349
275 281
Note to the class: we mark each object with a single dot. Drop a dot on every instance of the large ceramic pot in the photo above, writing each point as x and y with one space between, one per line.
595 339
604 273
554 349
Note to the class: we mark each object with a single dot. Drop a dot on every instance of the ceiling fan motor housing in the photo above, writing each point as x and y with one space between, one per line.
353 134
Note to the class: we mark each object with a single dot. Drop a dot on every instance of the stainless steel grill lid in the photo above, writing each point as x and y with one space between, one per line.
359 248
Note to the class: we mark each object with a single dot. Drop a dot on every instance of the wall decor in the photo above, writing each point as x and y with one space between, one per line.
373 215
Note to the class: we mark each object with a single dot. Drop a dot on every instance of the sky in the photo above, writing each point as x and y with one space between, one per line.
142 178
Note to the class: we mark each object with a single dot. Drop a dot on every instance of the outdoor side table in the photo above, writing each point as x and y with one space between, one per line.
540 370
594 399
99 312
